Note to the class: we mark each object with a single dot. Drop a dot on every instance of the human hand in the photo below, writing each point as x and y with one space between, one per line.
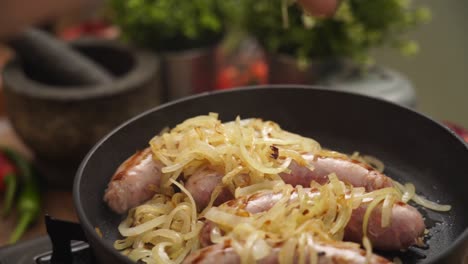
319 7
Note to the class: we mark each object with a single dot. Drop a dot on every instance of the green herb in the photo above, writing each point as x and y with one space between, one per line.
356 27
166 25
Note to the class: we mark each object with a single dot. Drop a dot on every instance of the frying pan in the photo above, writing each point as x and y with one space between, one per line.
413 147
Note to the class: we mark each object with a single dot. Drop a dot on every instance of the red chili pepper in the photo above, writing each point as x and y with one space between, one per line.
8 182
6 168
259 71
227 78
461 131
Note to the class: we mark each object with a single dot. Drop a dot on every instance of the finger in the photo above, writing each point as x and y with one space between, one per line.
319 7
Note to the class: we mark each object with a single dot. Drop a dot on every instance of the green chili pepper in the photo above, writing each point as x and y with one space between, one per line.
28 209
29 198
10 181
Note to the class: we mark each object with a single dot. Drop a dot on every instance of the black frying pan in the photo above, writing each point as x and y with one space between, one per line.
413 147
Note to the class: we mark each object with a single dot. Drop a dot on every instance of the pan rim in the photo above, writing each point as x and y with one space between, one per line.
86 224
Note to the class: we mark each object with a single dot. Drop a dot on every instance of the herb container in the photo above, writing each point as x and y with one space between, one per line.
184 33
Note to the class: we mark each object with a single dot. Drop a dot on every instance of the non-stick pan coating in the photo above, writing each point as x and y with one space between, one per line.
413 147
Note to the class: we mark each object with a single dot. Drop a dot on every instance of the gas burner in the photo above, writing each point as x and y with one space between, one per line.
66 243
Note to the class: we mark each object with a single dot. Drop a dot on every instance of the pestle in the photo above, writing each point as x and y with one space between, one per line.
49 56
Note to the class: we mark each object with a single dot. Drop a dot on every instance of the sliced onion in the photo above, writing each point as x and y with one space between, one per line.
368 212
260 167
171 235
266 185
197 121
193 234
121 244
287 252
260 249
342 220
216 235
191 246
381 192
179 165
125 230
409 192
431 205
160 254
192 201
223 218
387 207
208 151
408 188
253 162
374 162
183 211
139 253
214 195
368 247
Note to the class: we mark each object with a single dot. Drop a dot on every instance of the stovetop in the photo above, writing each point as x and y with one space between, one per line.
39 251
64 244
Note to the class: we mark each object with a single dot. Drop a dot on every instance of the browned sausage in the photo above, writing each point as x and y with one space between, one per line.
134 182
202 183
335 253
350 171
406 228
136 179
347 170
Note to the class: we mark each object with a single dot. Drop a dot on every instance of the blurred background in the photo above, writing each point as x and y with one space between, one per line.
437 72
440 71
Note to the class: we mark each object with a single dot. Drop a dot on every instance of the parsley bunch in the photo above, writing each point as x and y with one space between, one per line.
357 26
169 25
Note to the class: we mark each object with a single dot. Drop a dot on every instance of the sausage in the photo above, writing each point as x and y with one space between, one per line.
335 253
134 182
136 179
406 227
218 253
202 183
348 170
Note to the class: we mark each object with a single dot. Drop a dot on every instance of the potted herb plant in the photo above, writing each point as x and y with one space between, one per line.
185 33
336 51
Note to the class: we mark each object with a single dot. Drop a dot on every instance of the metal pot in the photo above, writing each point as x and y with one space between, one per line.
284 69
188 72
377 81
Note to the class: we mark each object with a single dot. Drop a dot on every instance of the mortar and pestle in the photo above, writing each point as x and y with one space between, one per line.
61 99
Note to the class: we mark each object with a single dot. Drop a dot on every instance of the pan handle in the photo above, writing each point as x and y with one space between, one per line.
61 234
